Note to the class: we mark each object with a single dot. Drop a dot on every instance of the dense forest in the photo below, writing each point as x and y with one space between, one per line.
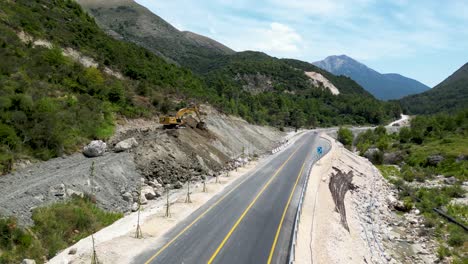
287 97
50 104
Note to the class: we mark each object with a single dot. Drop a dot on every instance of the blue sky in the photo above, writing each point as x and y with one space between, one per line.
425 40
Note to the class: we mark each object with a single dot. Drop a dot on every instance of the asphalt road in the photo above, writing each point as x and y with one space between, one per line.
251 221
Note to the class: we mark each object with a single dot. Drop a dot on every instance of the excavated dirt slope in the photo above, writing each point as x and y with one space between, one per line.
162 157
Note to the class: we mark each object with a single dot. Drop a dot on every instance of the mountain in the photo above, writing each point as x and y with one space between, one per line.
383 86
448 96
127 20
244 77
289 95
64 81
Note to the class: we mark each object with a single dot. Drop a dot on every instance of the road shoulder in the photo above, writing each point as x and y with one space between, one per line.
350 232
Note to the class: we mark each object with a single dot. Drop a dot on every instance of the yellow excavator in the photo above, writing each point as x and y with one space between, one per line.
178 120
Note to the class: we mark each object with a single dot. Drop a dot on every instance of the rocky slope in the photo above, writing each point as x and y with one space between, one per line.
383 86
162 158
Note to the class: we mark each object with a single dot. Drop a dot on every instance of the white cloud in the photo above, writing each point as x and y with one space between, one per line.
370 30
279 38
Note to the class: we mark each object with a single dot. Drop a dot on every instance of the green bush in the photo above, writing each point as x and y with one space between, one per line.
17 244
408 203
345 136
65 223
443 252
456 238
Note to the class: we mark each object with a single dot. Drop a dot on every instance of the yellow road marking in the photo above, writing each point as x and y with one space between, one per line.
204 213
248 209
284 214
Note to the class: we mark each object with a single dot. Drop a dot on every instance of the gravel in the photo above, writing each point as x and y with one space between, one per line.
53 181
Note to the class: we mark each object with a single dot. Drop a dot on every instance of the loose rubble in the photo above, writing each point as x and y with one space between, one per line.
143 156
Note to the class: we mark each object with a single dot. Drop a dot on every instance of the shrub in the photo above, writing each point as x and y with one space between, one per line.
443 252
57 224
456 238
408 204
345 136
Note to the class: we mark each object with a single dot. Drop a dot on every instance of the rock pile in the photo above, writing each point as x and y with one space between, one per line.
95 149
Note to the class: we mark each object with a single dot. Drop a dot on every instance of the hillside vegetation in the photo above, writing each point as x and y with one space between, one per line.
50 104
265 89
431 159
130 21
448 96
253 85
56 227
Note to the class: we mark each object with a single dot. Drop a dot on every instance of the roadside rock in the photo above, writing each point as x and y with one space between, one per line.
143 199
28 261
71 192
392 201
178 185
134 207
126 144
371 152
434 160
148 192
451 180
392 158
95 149
58 190
127 197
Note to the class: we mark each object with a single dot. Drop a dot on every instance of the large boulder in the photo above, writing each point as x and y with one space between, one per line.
148 192
126 144
451 180
393 158
374 155
178 185
434 160
371 152
95 149
127 197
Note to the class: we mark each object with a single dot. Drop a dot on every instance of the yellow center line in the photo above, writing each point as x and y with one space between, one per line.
204 213
284 214
248 209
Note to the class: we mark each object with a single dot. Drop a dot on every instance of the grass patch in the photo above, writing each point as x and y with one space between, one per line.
389 172
55 228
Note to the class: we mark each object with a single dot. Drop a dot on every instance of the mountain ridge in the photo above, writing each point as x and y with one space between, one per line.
130 21
384 86
448 96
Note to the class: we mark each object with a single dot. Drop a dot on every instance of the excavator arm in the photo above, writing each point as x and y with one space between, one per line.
177 120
